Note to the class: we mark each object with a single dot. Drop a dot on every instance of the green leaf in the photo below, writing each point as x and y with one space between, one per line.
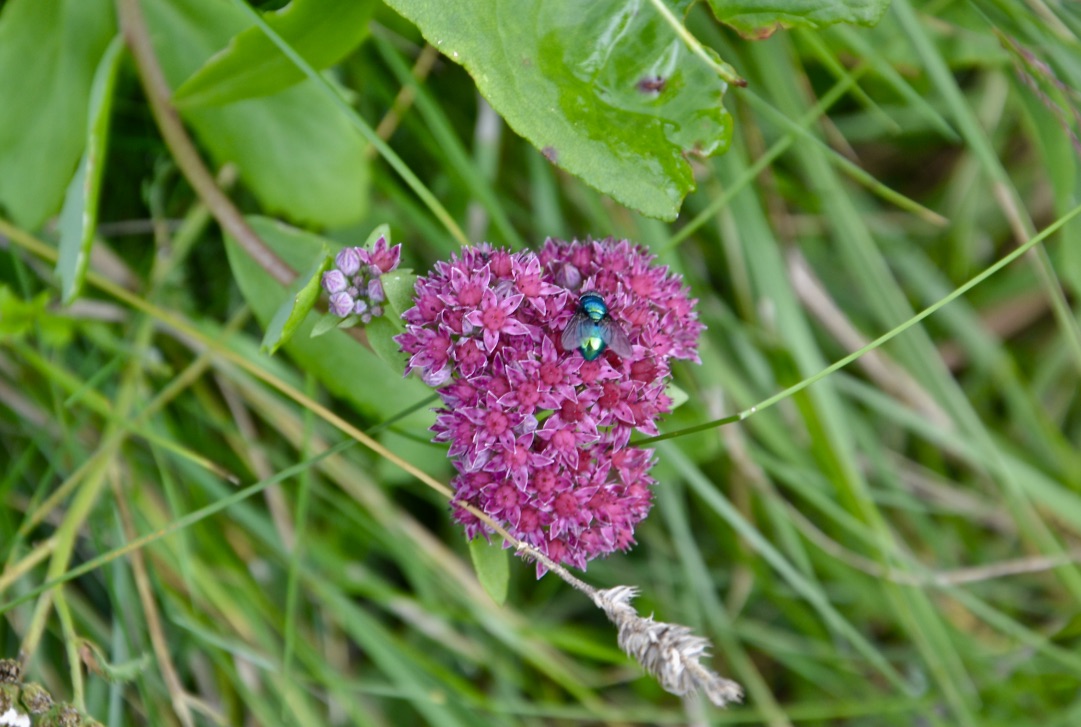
606 90
322 31
345 367
79 216
760 18
303 294
381 332
677 395
328 323
400 287
20 318
296 150
48 52
383 231
490 562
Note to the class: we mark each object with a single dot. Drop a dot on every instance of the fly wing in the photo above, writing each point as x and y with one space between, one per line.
616 338
575 331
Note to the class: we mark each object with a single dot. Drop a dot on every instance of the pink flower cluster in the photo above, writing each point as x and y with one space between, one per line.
353 283
539 435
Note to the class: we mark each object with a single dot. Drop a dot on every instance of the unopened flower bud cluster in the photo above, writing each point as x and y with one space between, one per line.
354 283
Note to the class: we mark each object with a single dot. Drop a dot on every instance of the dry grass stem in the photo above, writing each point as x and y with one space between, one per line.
154 627
670 653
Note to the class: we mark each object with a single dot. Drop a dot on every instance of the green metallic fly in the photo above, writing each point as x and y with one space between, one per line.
591 330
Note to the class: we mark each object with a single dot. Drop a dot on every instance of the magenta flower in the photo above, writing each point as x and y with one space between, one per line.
539 435
381 259
495 317
432 355
354 282
530 281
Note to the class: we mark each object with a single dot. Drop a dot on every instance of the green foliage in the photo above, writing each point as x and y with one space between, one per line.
493 570
301 298
322 31
761 18
677 395
48 52
322 181
608 92
398 286
19 318
381 332
79 216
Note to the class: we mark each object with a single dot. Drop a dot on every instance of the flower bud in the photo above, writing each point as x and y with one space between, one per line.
334 281
348 260
341 304
375 291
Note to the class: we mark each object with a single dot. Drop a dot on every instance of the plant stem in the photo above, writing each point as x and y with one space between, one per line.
180 145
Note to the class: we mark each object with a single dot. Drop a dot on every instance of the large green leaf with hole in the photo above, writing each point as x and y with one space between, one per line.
49 50
760 18
606 90
296 150
322 31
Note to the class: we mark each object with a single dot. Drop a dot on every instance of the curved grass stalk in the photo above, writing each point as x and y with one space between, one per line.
888 335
